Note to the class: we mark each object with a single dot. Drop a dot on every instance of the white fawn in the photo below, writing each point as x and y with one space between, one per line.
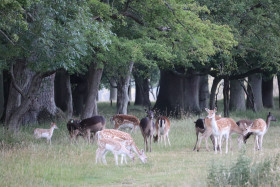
220 128
114 146
259 128
45 133
162 129
123 138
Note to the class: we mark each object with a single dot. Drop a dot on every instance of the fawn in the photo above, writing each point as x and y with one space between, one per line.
45 133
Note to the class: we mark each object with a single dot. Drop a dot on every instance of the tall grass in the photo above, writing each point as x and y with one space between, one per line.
25 161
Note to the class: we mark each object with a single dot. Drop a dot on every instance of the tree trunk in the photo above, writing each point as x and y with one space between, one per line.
113 91
1 95
14 118
122 84
237 96
226 97
142 91
278 80
177 94
94 79
203 92
267 93
213 93
63 93
255 81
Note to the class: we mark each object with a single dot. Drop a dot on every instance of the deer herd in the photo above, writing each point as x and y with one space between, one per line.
121 143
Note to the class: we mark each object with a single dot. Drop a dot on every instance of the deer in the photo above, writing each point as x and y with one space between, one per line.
122 121
147 127
73 126
259 129
207 133
45 133
199 128
243 125
117 148
220 128
124 138
86 127
162 129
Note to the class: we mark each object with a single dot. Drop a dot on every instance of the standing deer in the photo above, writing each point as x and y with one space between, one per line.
220 128
45 133
116 147
147 127
122 121
162 129
259 128
199 128
125 139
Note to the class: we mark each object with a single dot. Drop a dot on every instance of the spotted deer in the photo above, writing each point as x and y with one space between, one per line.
162 129
116 147
122 121
243 125
147 127
124 138
259 128
220 128
199 128
45 133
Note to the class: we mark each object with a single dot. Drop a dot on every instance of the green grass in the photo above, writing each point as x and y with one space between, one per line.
25 161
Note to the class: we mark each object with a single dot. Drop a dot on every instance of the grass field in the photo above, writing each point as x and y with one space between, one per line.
25 161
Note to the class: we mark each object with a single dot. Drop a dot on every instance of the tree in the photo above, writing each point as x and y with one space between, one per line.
52 35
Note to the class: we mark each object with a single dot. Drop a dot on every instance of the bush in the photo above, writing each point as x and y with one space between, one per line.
245 173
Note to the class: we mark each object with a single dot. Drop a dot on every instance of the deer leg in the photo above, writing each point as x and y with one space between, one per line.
116 158
164 138
213 141
220 143
169 140
227 137
151 143
103 157
261 142
216 142
257 142
196 139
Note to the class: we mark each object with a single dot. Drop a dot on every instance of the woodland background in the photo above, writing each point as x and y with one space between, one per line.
56 55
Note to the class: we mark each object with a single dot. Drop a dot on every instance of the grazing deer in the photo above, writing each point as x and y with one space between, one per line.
73 126
199 128
114 146
125 139
147 127
243 125
86 127
220 128
122 121
45 133
259 128
162 129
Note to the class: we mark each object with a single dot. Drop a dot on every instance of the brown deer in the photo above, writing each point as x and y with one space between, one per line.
124 138
162 129
45 133
220 128
114 146
122 121
259 128
147 127
86 127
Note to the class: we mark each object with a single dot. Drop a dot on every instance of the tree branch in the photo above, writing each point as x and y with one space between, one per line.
7 37
16 86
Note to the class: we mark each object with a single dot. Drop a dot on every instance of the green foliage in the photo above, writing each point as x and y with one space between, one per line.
60 34
245 172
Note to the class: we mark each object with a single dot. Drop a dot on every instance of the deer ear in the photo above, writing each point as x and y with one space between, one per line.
207 110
